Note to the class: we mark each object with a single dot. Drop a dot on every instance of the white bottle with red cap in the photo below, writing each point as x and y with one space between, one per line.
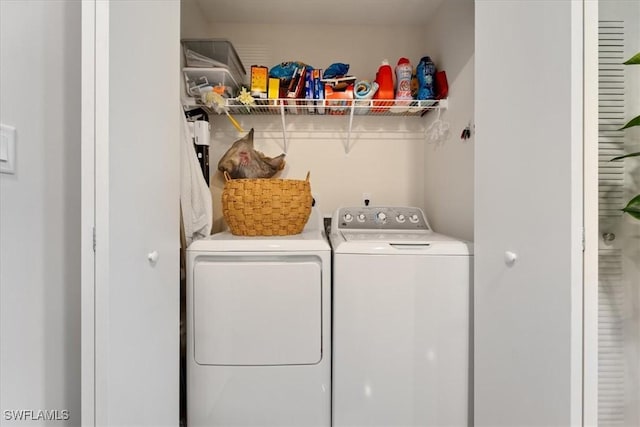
403 85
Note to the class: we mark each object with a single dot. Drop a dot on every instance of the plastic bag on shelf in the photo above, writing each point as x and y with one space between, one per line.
285 70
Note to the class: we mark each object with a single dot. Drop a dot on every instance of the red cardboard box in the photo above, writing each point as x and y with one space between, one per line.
338 101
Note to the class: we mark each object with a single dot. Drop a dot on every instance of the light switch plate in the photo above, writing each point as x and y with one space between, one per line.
7 149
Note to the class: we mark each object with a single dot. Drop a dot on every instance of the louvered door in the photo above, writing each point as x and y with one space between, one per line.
611 369
619 279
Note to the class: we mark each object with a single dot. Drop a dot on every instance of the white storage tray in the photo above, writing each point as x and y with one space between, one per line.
214 76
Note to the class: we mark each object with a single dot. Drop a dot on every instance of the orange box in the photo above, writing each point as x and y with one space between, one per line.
259 76
338 101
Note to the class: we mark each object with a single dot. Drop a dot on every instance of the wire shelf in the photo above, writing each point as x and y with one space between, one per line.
335 107
348 108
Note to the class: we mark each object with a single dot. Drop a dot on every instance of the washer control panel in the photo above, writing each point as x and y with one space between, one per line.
381 218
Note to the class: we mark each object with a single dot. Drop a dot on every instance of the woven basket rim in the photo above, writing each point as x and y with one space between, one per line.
228 178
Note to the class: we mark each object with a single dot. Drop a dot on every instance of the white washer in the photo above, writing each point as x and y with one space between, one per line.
259 329
400 320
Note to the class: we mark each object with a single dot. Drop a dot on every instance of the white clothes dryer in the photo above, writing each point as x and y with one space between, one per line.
401 343
259 329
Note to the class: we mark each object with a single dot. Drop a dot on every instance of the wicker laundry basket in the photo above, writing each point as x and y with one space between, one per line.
266 206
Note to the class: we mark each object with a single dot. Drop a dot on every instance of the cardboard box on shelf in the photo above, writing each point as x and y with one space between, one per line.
274 88
259 78
338 101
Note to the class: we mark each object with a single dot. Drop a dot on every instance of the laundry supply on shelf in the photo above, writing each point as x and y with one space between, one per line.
338 99
337 69
217 102
425 71
259 81
403 86
364 90
384 79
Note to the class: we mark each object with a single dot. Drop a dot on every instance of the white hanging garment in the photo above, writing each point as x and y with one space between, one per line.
195 196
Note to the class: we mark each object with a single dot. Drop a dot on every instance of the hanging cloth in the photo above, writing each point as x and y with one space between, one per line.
195 196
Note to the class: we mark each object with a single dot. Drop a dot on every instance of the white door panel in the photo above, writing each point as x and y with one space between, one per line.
136 140
528 201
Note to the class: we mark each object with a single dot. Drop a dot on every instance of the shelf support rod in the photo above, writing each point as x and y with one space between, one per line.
347 149
284 127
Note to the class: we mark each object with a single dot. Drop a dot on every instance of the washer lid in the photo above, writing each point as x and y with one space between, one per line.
388 237
398 243
390 230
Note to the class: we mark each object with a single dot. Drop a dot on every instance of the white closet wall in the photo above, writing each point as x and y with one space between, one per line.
192 22
448 172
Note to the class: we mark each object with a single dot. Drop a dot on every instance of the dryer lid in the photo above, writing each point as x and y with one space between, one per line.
312 238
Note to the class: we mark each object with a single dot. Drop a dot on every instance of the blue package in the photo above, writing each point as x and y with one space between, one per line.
337 69
308 84
285 70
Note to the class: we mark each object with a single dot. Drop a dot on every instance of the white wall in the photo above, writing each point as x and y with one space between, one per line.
449 171
192 21
39 209
388 156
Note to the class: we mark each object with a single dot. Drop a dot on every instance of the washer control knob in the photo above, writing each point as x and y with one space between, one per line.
381 217
414 218
348 217
362 217
401 218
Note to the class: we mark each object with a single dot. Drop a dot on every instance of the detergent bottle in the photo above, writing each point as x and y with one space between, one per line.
425 72
384 79
403 79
